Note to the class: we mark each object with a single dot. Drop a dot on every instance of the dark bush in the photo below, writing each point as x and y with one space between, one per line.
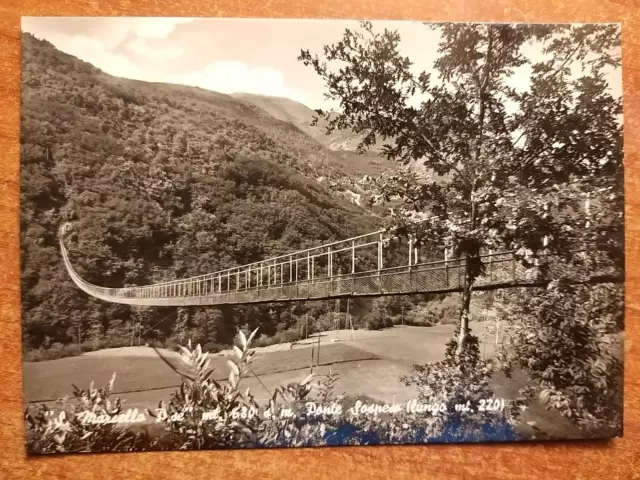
286 336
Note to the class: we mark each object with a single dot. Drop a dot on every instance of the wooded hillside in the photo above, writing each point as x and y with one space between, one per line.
161 181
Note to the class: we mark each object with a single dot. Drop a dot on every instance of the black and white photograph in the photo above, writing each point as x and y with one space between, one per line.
259 233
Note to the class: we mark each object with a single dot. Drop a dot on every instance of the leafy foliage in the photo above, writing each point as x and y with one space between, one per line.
534 167
567 339
200 395
457 380
69 428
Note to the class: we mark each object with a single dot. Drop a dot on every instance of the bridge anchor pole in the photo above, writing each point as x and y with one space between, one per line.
353 256
446 267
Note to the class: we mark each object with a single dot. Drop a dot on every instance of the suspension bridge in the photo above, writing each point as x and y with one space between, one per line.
374 264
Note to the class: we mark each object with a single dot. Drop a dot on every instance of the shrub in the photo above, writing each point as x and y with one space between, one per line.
55 351
435 312
325 322
566 338
126 95
375 323
285 336
64 430
200 395
456 380
379 321
205 414
172 343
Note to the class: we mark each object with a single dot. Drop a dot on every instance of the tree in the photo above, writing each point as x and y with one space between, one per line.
507 168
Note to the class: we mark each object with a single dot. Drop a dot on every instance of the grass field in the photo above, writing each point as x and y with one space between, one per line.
369 366
52 379
145 369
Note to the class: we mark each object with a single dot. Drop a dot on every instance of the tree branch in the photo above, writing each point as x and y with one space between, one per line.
443 160
553 75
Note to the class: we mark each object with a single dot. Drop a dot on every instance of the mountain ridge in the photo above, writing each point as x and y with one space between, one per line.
302 116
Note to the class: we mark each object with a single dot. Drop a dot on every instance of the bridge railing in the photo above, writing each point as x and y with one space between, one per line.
354 267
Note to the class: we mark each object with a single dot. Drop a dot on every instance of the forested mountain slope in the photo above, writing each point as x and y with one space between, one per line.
302 117
161 181
342 143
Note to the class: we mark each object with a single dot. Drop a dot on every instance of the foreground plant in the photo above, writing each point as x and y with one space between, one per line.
89 422
460 385
205 413
568 340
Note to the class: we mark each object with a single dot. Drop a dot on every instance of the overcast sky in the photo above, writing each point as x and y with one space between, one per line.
224 55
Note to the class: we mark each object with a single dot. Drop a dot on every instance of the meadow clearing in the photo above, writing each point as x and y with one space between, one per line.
369 365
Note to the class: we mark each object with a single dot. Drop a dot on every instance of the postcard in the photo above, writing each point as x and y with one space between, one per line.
257 233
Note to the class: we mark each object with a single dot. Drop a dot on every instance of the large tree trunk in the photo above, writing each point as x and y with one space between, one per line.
469 276
465 313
